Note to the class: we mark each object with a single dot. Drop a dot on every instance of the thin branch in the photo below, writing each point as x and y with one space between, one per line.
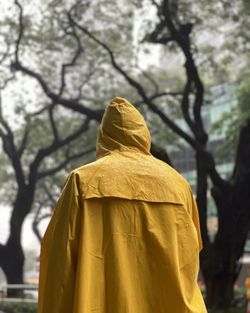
67 103
157 35
24 140
168 94
76 106
52 123
47 191
185 105
154 37
155 4
6 53
52 171
55 98
83 83
6 81
42 110
37 220
4 122
160 40
53 147
159 95
17 66
6 143
21 29
74 59
10 148
151 80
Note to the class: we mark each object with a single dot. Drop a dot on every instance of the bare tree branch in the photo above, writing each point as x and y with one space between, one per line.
53 147
67 103
151 80
52 123
78 52
60 166
185 105
37 220
10 148
42 110
181 36
24 140
155 37
55 98
169 94
160 95
21 29
50 196
87 78
6 53
6 81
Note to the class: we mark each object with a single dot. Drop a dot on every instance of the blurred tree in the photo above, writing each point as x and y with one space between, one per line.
41 150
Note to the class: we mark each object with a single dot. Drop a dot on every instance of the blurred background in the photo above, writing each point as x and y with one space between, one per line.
183 63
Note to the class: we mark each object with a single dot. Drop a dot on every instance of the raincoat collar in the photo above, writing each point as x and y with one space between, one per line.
122 129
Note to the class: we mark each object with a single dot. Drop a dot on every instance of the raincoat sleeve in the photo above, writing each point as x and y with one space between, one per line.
58 259
195 216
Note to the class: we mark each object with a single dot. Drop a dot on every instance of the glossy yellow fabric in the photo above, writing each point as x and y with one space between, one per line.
124 236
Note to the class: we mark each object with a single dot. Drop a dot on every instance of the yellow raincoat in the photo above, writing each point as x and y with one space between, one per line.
124 236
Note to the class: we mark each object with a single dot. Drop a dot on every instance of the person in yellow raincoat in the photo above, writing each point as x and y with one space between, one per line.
125 235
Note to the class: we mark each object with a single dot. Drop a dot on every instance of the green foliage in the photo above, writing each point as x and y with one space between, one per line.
9 307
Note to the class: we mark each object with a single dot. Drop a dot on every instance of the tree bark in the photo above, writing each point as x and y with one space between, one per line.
219 261
11 254
12 262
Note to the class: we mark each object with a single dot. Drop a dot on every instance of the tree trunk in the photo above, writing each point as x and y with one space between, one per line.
219 291
12 262
11 254
219 260
201 195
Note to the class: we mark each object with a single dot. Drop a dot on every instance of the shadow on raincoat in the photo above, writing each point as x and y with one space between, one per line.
124 236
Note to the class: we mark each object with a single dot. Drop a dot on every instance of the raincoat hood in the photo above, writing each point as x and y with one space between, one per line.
122 128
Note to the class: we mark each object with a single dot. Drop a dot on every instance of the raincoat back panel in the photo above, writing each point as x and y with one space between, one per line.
136 256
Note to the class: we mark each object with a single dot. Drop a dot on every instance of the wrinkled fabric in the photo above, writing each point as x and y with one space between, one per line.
125 235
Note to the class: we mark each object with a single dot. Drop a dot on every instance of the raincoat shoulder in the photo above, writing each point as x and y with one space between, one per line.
132 176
